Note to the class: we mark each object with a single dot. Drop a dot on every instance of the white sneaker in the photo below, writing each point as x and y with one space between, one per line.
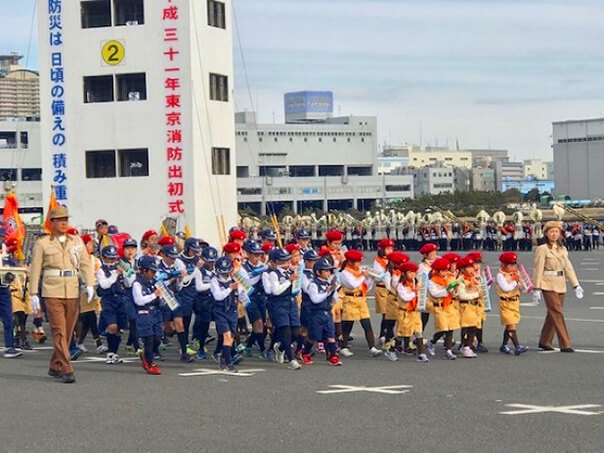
391 355
449 355
467 352
113 358
430 347
82 348
374 352
381 341
345 352
293 365
279 355
423 358
102 349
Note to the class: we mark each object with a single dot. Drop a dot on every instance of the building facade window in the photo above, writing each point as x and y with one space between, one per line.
131 87
134 162
95 13
221 161
398 188
24 139
219 87
128 12
31 174
243 172
98 89
8 174
216 16
100 164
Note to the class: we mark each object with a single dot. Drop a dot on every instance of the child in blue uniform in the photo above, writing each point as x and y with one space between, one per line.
148 316
322 294
310 257
255 307
112 287
166 265
224 289
202 306
130 247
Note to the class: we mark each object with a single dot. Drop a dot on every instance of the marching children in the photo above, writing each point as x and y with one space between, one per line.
283 310
223 289
509 302
477 257
130 247
112 287
322 294
391 280
355 285
409 320
148 316
469 302
21 309
385 248
202 306
429 252
441 303
256 303
310 257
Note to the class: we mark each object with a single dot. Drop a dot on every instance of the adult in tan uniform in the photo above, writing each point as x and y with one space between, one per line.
552 268
56 262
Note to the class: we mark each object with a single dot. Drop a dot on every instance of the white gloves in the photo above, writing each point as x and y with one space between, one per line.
579 292
536 296
35 304
90 293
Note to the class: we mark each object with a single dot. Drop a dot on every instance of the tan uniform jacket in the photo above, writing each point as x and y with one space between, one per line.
553 258
50 254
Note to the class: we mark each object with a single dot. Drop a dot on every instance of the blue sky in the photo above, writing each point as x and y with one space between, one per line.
484 72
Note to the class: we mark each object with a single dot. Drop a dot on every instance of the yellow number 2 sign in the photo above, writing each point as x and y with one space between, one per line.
113 53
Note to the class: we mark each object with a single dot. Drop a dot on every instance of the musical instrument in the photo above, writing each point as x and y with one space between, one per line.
422 292
579 215
8 274
166 295
242 281
380 276
453 218
525 279
297 284
488 274
485 296
126 268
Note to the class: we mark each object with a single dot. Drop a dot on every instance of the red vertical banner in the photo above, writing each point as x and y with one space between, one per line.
172 23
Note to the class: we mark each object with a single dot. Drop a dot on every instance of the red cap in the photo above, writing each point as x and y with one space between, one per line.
441 264
466 261
267 247
237 234
398 258
353 255
427 248
231 247
324 251
334 235
166 240
291 248
385 243
409 267
453 257
476 256
148 234
86 238
73 232
508 258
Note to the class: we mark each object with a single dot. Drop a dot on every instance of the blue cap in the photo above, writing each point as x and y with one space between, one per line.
147 263
310 255
223 265
109 252
170 251
303 234
279 255
268 234
253 248
130 242
322 265
209 254
112 229
193 244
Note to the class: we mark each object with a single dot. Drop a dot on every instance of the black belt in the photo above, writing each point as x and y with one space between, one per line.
471 302
354 294
380 285
510 299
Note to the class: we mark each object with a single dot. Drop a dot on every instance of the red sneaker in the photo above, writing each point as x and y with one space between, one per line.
154 370
144 362
307 359
335 360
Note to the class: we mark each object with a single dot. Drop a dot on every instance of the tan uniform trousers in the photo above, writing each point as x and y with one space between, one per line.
63 315
554 321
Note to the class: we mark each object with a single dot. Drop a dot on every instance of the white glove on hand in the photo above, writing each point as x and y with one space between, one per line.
536 296
35 304
90 292
579 292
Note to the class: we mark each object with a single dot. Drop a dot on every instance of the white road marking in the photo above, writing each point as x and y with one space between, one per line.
211 372
596 308
590 268
600 284
41 348
543 317
103 359
532 409
529 304
390 389
598 294
597 282
586 351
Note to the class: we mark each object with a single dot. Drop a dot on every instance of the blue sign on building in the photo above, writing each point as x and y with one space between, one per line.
308 102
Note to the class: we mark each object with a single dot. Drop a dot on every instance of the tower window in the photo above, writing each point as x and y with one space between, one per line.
219 87
131 87
95 13
98 89
134 162
129 12
221 161
100 164
216 16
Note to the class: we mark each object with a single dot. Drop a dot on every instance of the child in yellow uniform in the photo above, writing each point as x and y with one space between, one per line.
509 302
21 309
393 275
385 248
479 271
469 295
438 293
429 252
409 321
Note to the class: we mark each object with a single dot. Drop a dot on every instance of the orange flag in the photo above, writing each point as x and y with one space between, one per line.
15 229
51 204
